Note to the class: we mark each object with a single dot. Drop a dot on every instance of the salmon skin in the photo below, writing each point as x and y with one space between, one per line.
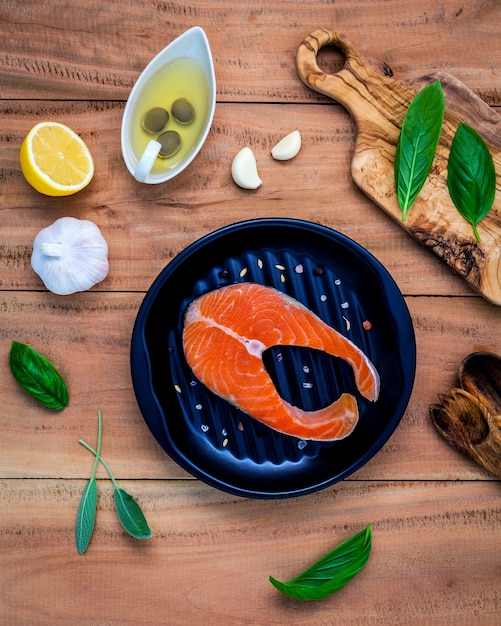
225 334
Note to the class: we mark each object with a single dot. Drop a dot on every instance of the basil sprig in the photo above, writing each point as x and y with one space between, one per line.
128 510
471 176
417 143
332 571
38 376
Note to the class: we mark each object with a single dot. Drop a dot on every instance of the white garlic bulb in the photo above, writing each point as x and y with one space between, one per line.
70 255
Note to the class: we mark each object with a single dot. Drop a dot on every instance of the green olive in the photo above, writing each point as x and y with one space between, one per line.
183 111
170 142
154 120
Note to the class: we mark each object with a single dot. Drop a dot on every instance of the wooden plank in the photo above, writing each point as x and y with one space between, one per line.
84 57
446 332
147 225
211 555
88 335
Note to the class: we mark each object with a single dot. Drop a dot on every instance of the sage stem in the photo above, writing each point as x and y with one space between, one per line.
99 459
99 438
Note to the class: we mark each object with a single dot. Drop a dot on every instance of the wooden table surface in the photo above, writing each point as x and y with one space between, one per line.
435 515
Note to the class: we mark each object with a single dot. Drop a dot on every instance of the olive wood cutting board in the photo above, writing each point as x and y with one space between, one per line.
378 105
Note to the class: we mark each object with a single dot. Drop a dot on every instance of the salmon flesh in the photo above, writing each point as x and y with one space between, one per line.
225 334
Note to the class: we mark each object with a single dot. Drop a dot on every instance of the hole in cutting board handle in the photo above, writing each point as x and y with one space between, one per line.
334 82
330 59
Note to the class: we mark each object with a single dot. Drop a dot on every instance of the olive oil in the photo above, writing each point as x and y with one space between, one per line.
183 78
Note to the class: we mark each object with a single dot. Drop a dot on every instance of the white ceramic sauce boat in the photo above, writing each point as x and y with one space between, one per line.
192 44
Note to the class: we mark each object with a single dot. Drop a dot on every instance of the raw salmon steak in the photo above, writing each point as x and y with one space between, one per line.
225 334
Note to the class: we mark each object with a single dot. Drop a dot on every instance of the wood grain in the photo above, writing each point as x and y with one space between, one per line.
378 105
435 513
88 335
67 51
147 225
211 555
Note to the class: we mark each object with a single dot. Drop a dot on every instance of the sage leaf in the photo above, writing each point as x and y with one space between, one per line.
38 376
417 143
131 516
86 516
332 571
128 510
471 176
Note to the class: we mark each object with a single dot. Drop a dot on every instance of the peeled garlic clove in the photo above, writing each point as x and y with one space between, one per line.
244 170
288 147
70 255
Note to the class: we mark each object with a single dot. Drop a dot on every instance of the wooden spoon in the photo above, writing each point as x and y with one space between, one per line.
480 374
470 418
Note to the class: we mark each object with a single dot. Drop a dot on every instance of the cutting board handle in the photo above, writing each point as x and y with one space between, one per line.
363 92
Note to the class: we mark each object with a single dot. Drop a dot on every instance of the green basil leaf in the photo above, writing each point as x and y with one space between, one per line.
332 571
86 516
417 143
38 376
130 515
471 176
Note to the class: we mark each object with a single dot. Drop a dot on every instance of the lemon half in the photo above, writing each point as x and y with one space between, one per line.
55 160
